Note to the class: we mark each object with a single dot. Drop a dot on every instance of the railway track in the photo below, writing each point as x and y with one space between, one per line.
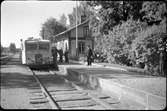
4 59
10 59
66 95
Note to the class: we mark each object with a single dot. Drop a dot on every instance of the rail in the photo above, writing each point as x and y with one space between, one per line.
45 91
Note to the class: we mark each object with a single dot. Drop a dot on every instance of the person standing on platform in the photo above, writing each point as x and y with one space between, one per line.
54 54
61 55
89 56
66 56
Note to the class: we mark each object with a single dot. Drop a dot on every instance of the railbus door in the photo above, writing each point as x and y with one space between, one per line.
38 58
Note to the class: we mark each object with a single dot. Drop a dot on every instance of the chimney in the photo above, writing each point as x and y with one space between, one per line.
83 18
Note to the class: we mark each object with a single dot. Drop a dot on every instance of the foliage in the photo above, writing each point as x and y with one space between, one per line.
12 47
99 49
153 11
134 43
118 41
112 13
2 49
146 46
129 32
50 28
63 20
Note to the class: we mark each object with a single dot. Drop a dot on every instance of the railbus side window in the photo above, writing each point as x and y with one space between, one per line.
44 46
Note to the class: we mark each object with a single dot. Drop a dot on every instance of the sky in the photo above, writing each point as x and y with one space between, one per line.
23 19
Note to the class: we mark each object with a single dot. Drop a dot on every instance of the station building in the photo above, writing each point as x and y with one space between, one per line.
67 40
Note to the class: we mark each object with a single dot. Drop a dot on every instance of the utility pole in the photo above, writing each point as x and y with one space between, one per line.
76 31
162 53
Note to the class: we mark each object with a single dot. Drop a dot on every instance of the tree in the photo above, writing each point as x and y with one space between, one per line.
63 20
112 13
50 28
12 47
82 9
1 49
153 12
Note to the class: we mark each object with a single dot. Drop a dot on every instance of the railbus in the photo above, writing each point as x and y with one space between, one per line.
36 53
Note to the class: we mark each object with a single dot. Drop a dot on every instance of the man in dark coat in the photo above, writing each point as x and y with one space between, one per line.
66 56
61 55
54 54
89 56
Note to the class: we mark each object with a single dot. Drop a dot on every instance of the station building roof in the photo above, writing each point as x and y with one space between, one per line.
70 29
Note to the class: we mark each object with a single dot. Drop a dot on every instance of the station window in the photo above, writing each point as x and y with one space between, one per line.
86 31
81 47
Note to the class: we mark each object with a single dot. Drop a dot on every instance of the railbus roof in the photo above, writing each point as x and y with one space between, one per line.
36 41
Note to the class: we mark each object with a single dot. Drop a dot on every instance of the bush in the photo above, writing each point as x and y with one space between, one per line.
146 46
134 43
99 57
118 42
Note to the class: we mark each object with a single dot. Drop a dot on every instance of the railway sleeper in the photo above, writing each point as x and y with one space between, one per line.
34 88
39 101
80 103
65 89
37 95
36 91
41 106
93 107
67 92
71 98
36 98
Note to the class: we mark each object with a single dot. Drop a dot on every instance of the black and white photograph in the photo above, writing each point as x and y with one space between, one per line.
83 55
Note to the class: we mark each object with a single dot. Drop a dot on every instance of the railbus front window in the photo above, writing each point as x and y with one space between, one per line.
30 47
